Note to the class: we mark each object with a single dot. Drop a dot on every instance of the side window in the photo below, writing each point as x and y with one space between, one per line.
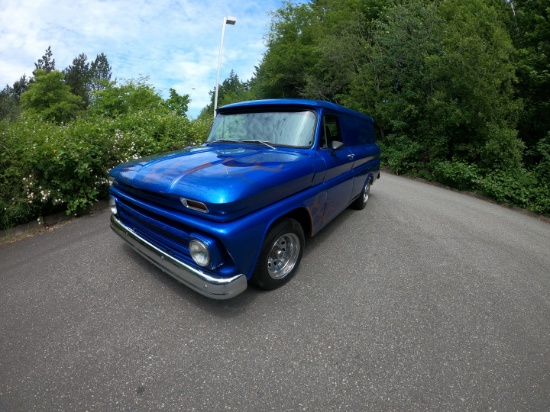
331 130
357 131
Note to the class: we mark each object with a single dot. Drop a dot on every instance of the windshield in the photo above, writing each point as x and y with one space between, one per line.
294 129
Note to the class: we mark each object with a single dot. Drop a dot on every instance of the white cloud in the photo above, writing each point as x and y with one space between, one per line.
173 42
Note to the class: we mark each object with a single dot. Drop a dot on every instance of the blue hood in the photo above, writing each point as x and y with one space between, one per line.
231 180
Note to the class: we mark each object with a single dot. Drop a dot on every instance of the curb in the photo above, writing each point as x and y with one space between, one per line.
45 223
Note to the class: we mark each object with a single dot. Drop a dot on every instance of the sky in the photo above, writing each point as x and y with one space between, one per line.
174 43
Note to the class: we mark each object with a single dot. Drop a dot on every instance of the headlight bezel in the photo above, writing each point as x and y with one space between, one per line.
214 250
112 205
200 253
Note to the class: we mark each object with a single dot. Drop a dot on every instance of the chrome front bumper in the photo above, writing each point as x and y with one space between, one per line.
212 287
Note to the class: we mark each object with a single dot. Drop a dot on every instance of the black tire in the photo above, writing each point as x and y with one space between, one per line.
363 199
280 255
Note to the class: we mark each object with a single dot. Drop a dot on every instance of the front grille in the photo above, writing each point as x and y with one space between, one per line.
168 228
167 234
155 198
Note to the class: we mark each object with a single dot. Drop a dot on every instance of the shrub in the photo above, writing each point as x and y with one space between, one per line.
45 167
517 187
542 169
457 174
401 154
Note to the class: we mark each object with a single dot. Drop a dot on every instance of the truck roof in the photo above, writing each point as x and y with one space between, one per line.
266 103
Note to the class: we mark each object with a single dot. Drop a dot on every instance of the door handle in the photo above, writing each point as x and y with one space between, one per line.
351 156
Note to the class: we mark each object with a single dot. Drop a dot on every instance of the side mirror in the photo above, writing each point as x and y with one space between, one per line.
336 145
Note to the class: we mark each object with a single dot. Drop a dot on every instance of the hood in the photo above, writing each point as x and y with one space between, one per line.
231 180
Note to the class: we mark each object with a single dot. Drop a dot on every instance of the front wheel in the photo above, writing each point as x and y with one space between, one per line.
362 200
280 255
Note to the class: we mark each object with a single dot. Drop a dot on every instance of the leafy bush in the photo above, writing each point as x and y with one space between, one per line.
49 97
457 174
46 167
401 154
17 211
542 169
517 188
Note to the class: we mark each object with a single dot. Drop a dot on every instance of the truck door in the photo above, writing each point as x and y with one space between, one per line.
338 177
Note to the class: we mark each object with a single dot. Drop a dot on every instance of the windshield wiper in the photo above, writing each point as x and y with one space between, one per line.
261 142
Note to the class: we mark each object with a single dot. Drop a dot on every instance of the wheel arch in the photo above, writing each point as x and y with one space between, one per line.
301 215
281 250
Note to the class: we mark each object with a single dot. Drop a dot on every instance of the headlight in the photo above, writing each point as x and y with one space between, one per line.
112 205
199 252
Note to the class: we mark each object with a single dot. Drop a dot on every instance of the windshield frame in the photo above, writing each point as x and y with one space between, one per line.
264 139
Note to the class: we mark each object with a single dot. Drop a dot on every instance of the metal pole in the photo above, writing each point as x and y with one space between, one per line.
226 20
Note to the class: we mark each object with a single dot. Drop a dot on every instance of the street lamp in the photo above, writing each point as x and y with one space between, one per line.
226 20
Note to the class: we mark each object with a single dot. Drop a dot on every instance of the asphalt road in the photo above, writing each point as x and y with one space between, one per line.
427 300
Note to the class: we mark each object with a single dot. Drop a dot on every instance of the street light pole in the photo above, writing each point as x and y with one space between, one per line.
226 20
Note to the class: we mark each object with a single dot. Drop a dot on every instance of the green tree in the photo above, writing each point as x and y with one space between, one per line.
100 75
394 80
543 166
290 42
9 104
320 50
132 96
179 104
231 90
78 77
84 78
49 97
475 79
341 46
20 86
443 76
46 63
9 99
531 34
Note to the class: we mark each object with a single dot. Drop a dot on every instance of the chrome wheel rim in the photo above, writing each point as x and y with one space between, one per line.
366 191
283 256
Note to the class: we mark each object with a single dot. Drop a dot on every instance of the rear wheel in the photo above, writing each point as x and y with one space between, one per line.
363 198
280 255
